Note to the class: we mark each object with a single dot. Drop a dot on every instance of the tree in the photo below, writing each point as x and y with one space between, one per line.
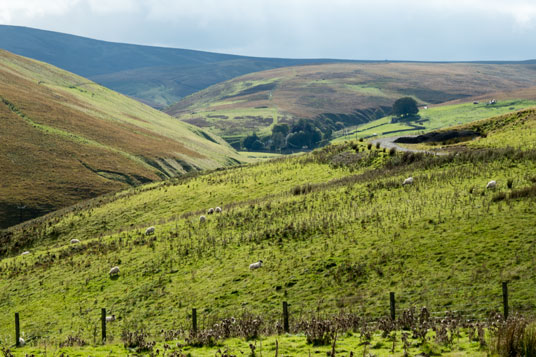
252 142
281 128
405 106
304 133
278 140
279 133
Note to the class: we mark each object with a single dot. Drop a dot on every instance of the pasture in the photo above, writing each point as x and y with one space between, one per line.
336 230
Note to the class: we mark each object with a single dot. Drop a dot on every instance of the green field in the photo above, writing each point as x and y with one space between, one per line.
336 230
433 118
290 345
346 93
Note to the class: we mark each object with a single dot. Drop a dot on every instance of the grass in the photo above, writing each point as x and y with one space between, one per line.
435 117
287 345
336 229
352 93
71 139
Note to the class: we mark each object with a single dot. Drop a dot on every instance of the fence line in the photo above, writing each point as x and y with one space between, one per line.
286 314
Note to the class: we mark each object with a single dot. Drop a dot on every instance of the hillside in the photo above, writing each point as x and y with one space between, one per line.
157 76
340 94
335 228
65 138
443 115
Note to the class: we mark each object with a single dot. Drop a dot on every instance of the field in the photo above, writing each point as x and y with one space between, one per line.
65 138
336 230
433 118
345 93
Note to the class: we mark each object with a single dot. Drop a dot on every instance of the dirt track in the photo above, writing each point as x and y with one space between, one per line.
388 143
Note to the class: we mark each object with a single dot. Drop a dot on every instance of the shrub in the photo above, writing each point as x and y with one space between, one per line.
509 337
528 344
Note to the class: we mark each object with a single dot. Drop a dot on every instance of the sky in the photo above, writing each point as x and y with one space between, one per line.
427 30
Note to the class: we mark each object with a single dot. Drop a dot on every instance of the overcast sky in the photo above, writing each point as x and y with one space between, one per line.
358 29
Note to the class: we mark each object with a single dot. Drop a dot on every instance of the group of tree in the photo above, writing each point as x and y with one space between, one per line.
301 134
312 133
405 109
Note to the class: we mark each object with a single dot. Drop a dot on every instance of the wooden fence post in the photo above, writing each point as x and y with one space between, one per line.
505 299
194 320
285 317
392 303
17 330
103 324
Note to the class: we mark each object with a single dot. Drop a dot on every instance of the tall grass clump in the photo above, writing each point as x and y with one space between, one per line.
514 337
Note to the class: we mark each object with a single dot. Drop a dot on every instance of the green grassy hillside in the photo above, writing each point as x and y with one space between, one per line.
435 117
344 94
65 138
335 228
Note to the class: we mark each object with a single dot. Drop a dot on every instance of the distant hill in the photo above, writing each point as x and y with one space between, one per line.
65 138
157 76
342 94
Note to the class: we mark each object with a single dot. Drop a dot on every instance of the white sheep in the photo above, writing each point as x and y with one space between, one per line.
110 318
491 184
202 219
210 211
21 342
75 241
217 209
114 271
256 265
149 230
25 253
408 181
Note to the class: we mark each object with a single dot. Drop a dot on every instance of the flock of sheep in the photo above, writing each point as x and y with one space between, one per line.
491 185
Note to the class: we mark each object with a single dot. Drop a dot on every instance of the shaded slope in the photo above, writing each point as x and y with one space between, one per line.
349 93
155 75
65 138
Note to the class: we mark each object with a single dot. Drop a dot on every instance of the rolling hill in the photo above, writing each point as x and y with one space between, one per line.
157 76
336 229
65 138
343 94
442 116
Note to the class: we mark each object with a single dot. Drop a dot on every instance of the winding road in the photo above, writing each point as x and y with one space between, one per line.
389 143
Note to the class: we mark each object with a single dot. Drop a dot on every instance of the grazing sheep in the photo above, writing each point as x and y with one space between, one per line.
110 318
75 241
24 253
149 230
210 211
217 209
202 219
491 184
408 181
256 265
114 271
21 342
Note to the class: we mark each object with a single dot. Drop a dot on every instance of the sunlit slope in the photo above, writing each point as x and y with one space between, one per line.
65 138
335 228
438 117
349 93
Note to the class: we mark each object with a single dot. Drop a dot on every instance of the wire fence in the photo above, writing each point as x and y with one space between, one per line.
98 325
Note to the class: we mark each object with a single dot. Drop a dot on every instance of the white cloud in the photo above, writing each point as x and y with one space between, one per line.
13 10
369 29
115 6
